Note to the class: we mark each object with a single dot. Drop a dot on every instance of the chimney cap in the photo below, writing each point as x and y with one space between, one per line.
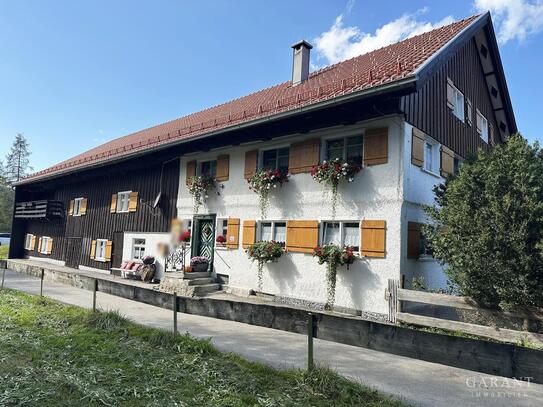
302 43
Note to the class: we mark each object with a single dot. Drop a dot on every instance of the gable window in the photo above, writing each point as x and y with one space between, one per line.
341 233
431 157
28 241
208 169
275 159
77 206
123 199
273 230
455 100
345 148
138 249
482 126
100 249
44 242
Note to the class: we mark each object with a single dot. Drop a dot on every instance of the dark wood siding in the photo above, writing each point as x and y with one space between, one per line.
427 108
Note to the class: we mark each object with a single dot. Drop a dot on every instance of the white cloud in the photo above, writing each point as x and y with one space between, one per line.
514 19
340 42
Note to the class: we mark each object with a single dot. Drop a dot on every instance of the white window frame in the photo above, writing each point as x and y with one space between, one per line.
434 167
221 229
325 140
459 108
120 201
100 250
28 240
342 224
484 126
138 248
261 156
43 246
273 230
77 206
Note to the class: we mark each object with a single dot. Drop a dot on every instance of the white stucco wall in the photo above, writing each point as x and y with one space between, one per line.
376 194
151 247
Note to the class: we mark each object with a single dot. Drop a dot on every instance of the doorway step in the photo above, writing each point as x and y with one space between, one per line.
194 284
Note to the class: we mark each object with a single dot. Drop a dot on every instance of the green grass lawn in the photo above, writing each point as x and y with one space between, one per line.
52 354
4 252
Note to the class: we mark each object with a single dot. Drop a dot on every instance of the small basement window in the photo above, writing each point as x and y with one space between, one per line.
138 249
28 241
100 249
273 230
275 159
123 199
341 233
482 126
208 169
43 244
77 206
345 148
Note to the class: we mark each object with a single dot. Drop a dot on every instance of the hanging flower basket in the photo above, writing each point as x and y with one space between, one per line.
331 173
263 182
334 256
264 252
199 187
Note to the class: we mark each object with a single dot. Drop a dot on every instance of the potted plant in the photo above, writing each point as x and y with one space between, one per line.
185 237
199 264
264 181
199 187
264 252
221 240
333 255
330 173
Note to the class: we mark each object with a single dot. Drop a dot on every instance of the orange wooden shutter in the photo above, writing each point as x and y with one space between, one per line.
107 256
133 203
249 233
251 161
223 167
49 247
93 249
413 240
191 171
447 161
32 242
302 235
113 206
304 155
71 210
232 233
83 207
450 94
373 238
417 147
376 146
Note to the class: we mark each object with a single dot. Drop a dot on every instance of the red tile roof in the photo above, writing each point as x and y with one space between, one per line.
382 66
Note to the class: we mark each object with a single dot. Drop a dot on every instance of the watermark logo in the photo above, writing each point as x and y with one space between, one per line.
498 387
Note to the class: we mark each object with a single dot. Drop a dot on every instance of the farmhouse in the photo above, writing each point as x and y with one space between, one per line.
405 116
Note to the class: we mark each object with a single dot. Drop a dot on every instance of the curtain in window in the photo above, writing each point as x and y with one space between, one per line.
280 232
331 233
352 234
266 234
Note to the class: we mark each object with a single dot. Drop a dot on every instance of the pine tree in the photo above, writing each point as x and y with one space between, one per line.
17 161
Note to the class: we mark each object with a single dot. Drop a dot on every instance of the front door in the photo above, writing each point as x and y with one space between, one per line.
117 254
73 251
203 242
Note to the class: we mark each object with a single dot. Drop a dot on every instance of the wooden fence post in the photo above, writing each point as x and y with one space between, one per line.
174 307
41 282
392 297
310 332
3 277
94 289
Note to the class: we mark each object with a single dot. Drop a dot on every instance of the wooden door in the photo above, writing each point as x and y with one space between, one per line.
117 252
73 251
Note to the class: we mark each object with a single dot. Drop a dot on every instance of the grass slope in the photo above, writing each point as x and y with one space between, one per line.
52 354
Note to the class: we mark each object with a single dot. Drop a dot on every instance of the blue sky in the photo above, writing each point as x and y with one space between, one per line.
75 74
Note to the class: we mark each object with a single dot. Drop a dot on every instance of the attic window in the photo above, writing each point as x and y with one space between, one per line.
484 51
494 91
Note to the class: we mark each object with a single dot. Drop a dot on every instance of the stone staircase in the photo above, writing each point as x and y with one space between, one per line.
194 284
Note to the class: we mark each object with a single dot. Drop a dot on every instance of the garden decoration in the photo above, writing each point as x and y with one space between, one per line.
264 252
330 173
262 182
333 255
199 187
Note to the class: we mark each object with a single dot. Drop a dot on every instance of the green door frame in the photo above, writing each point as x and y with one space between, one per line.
195 238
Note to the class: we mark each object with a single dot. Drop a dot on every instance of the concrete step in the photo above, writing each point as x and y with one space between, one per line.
200 281
206 289
192 275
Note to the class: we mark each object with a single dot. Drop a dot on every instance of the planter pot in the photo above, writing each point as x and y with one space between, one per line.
198 268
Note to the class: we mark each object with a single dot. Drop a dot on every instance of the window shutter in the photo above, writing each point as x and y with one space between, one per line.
232 233
32 242
413 240
83 209
39 244
417 147
49 247
491 140
373 238
113 206
71 210
133 203
303 156
479 123
251 161
191 171
223 167
450 94
469 114
447 161
108 250
249 233
376 146
302 235
93 249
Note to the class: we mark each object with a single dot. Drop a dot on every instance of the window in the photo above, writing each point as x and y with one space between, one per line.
273 230
187 227
345 148
431 157
28 241
424 252
455 100
123 199
275 159
222 230
100 249
77 206
208 169
456 165
138 249
43 244
482 126
341 233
